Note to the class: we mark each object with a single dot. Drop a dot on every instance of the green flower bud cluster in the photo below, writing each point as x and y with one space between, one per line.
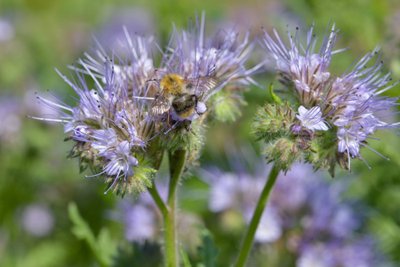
286 141
272 124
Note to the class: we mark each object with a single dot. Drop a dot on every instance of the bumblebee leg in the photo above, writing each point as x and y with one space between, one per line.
171 128
187 124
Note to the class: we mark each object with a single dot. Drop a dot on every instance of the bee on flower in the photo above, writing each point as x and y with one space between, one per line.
201 67
136 109
176 95
336 114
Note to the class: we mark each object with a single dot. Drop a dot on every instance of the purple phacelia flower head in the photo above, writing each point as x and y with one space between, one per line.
336 113
110 128
132 109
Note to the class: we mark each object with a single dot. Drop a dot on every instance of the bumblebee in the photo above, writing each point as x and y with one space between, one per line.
178 95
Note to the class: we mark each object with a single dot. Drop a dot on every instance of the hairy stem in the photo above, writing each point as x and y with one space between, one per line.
158 157
177 161
157 199
255 220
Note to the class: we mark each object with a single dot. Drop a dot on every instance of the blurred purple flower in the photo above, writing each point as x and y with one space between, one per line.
307 213
230 191
11 120
316 256
140 222
138 20
7 31
140 217
37 220
355 254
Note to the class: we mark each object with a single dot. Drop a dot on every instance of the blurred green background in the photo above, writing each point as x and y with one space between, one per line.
37 36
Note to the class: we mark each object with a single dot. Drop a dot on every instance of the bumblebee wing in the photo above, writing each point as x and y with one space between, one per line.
184 102
203 86
160 105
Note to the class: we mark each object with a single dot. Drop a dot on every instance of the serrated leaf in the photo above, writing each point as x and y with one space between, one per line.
103 247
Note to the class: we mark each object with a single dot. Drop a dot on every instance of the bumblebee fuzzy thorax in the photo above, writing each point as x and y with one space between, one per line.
172 84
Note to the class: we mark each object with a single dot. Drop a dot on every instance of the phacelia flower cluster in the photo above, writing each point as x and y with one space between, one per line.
335 114
129 110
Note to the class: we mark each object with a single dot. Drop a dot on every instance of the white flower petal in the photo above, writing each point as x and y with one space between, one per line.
312 118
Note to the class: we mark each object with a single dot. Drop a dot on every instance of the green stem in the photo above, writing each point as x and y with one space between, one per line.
177 162
158 157
157 199
262 201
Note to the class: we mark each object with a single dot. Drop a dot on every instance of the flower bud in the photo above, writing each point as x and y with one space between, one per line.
273 121
284 152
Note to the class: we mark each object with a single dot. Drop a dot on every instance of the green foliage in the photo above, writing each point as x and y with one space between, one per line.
102 246
145 254
185 258
208 251
273 98
46 254
195 196
389 234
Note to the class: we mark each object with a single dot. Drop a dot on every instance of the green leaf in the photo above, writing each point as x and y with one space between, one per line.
103 247
388 233
46 254
145 254
208 251
185 258
275 98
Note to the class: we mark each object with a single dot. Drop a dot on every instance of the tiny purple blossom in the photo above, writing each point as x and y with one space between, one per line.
120 161
312 119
